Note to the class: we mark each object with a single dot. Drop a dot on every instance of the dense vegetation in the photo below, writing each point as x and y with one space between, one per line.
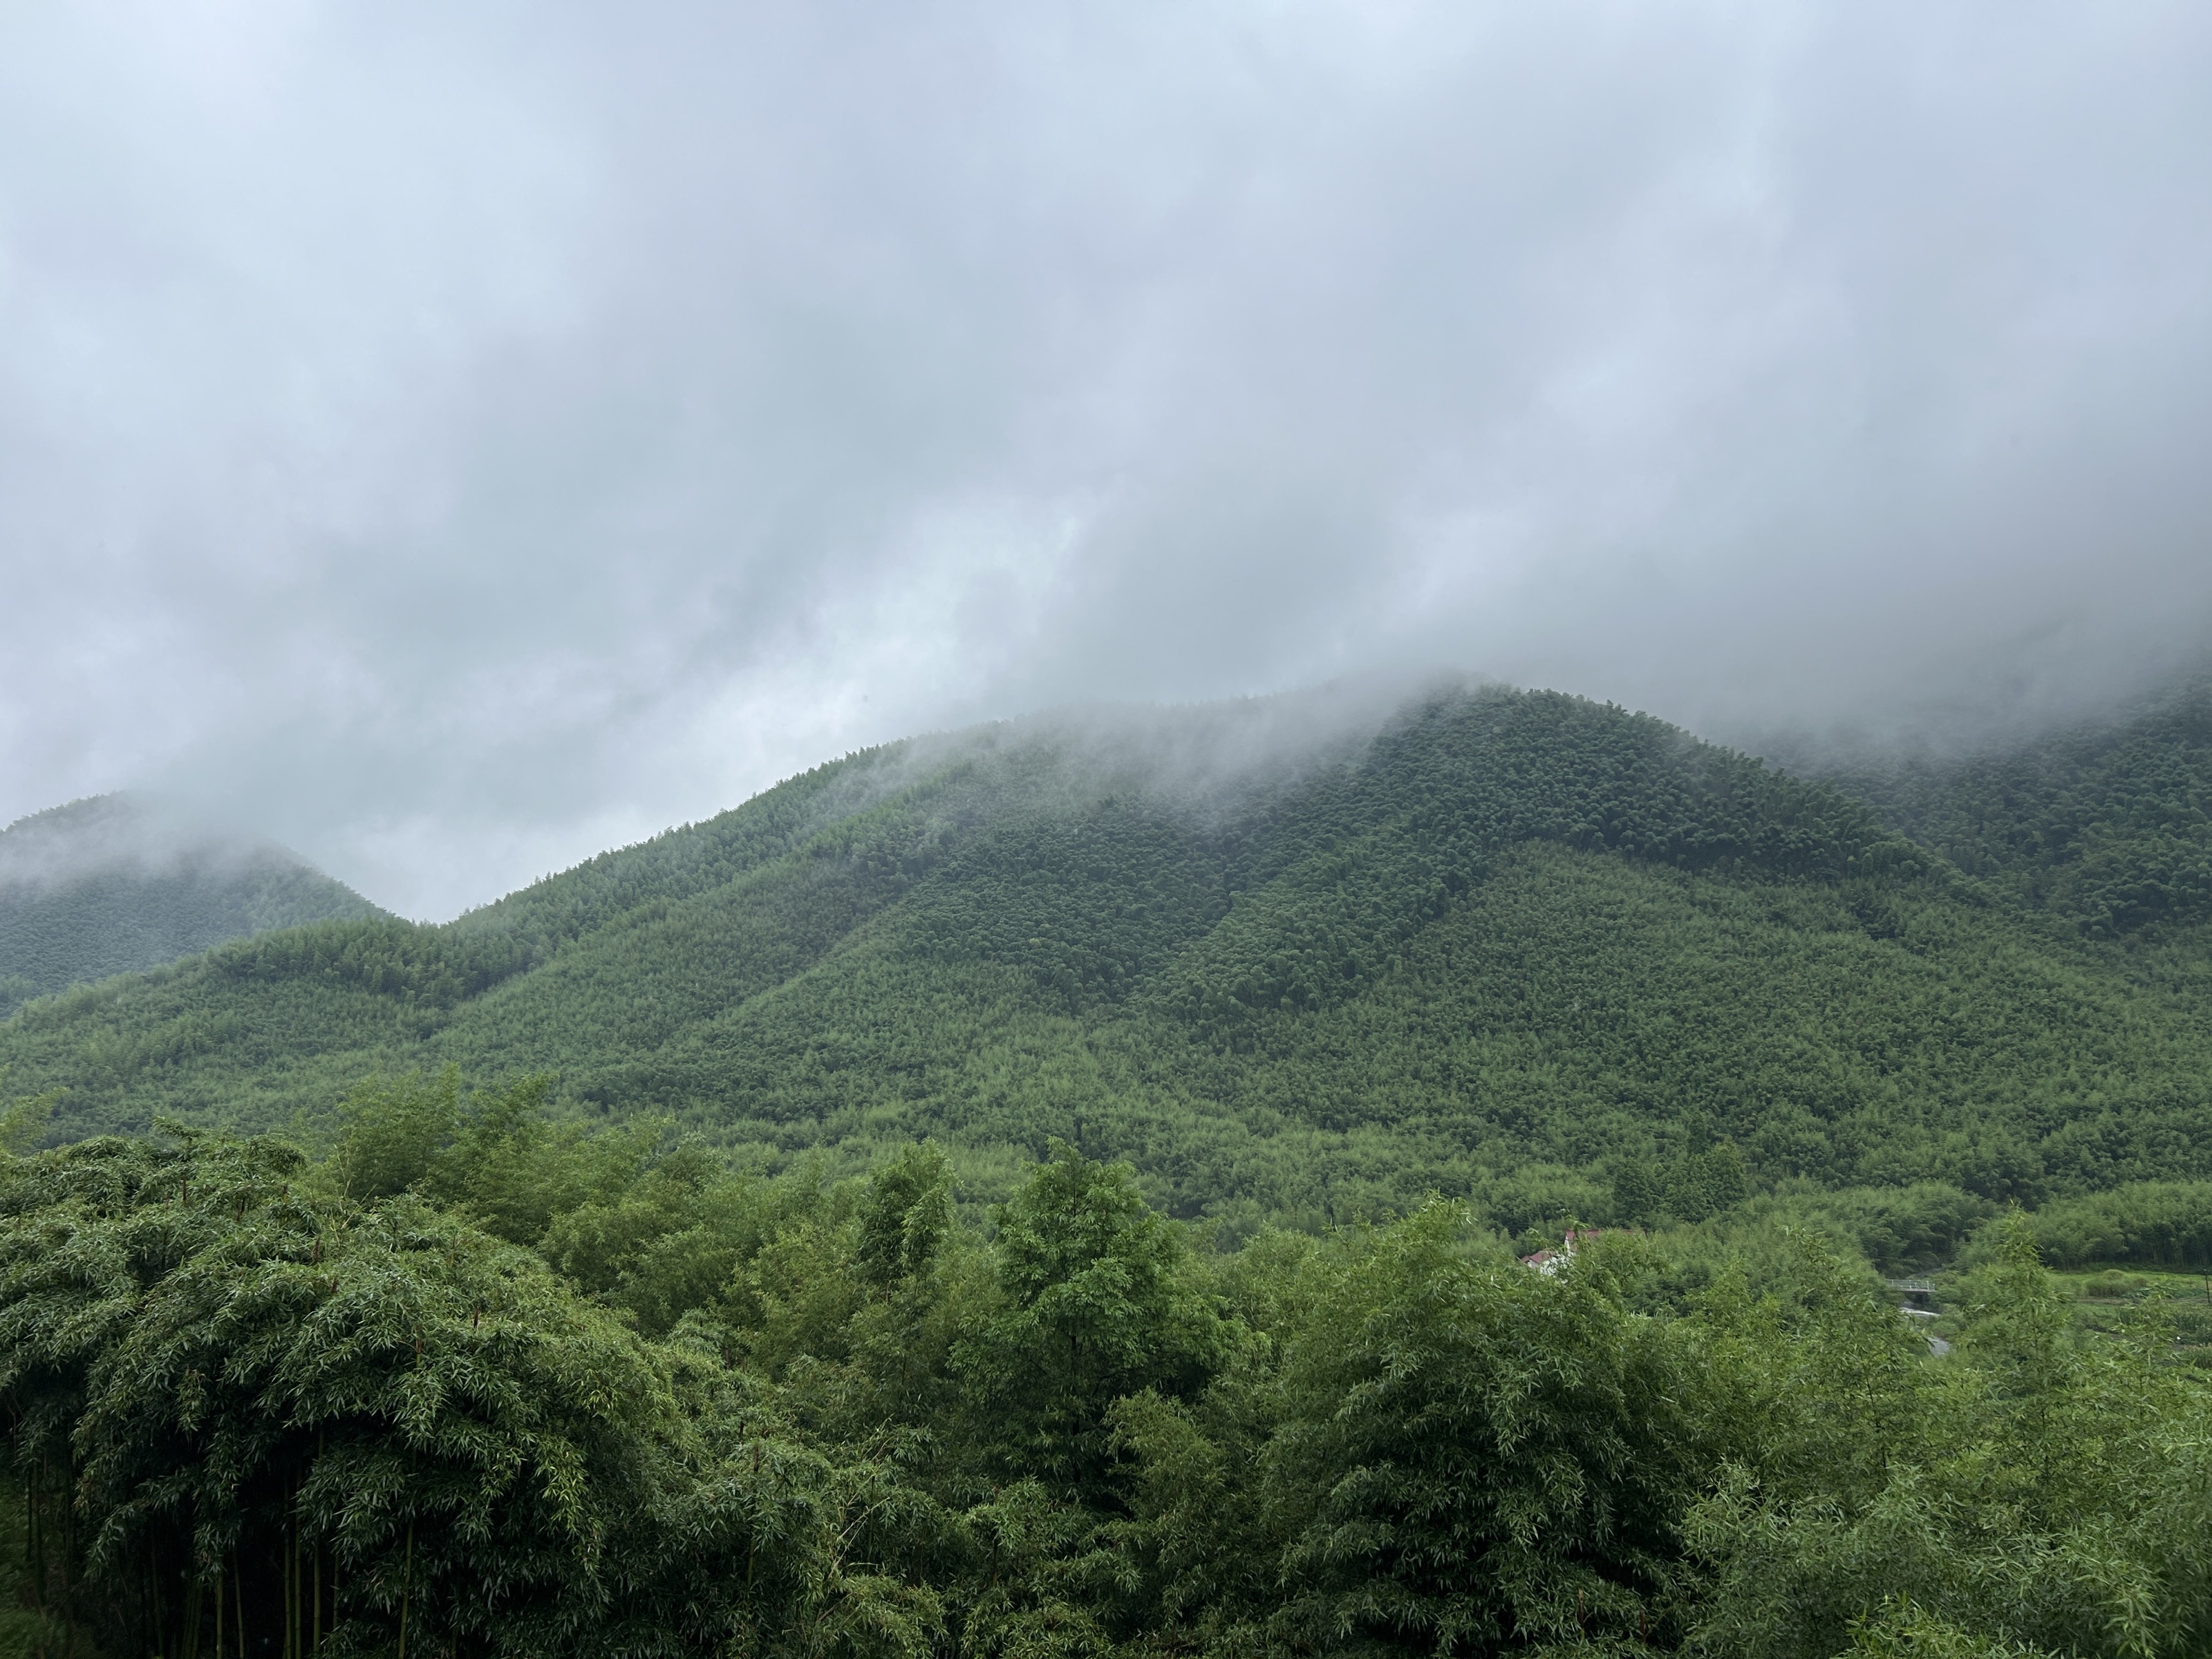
2108 825
795 1300
479 1383
1519 948
104 886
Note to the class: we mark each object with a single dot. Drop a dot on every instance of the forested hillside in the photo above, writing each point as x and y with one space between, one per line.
2107 825
720 1247
1547 955
114 885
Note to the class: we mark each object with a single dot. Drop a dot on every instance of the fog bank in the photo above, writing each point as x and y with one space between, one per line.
456 440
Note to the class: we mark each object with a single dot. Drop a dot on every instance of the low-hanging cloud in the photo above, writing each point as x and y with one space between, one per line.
456 439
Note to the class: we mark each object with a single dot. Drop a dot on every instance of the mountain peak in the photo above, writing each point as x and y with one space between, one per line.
121 882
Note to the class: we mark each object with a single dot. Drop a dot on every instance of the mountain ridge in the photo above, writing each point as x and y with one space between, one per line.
1500 943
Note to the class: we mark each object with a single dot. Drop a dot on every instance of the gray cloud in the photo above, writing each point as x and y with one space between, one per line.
458 439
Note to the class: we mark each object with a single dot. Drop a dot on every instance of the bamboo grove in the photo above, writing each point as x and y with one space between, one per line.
477 1382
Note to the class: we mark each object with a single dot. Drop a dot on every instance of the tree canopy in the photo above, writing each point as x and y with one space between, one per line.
255 1408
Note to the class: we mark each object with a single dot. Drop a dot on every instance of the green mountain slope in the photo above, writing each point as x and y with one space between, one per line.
113 885
2107 826
1512 944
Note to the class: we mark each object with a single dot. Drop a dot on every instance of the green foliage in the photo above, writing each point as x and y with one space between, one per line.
394 1129
870 1433
1097 1303
2108 826
2044 1495
1478 1455
979 1199
1516 947
1900 1229
1690 1186
89 891
208 1364
2161 1223
1905 1630
907 1217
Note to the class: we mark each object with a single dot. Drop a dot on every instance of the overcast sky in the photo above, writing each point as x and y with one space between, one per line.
460 437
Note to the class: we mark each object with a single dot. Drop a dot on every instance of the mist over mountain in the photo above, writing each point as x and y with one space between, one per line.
119 884
1410 745
1306 958
2103 821
475 439
1262 1034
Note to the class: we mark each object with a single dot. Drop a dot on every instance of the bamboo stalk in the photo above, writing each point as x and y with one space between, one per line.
319 1554
406 1584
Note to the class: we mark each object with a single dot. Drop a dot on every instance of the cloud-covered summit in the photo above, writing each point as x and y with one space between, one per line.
119 883
474 437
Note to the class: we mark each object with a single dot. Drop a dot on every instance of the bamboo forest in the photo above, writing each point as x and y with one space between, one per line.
1503 1177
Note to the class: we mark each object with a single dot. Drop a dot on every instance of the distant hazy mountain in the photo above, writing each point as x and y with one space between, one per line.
118 884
